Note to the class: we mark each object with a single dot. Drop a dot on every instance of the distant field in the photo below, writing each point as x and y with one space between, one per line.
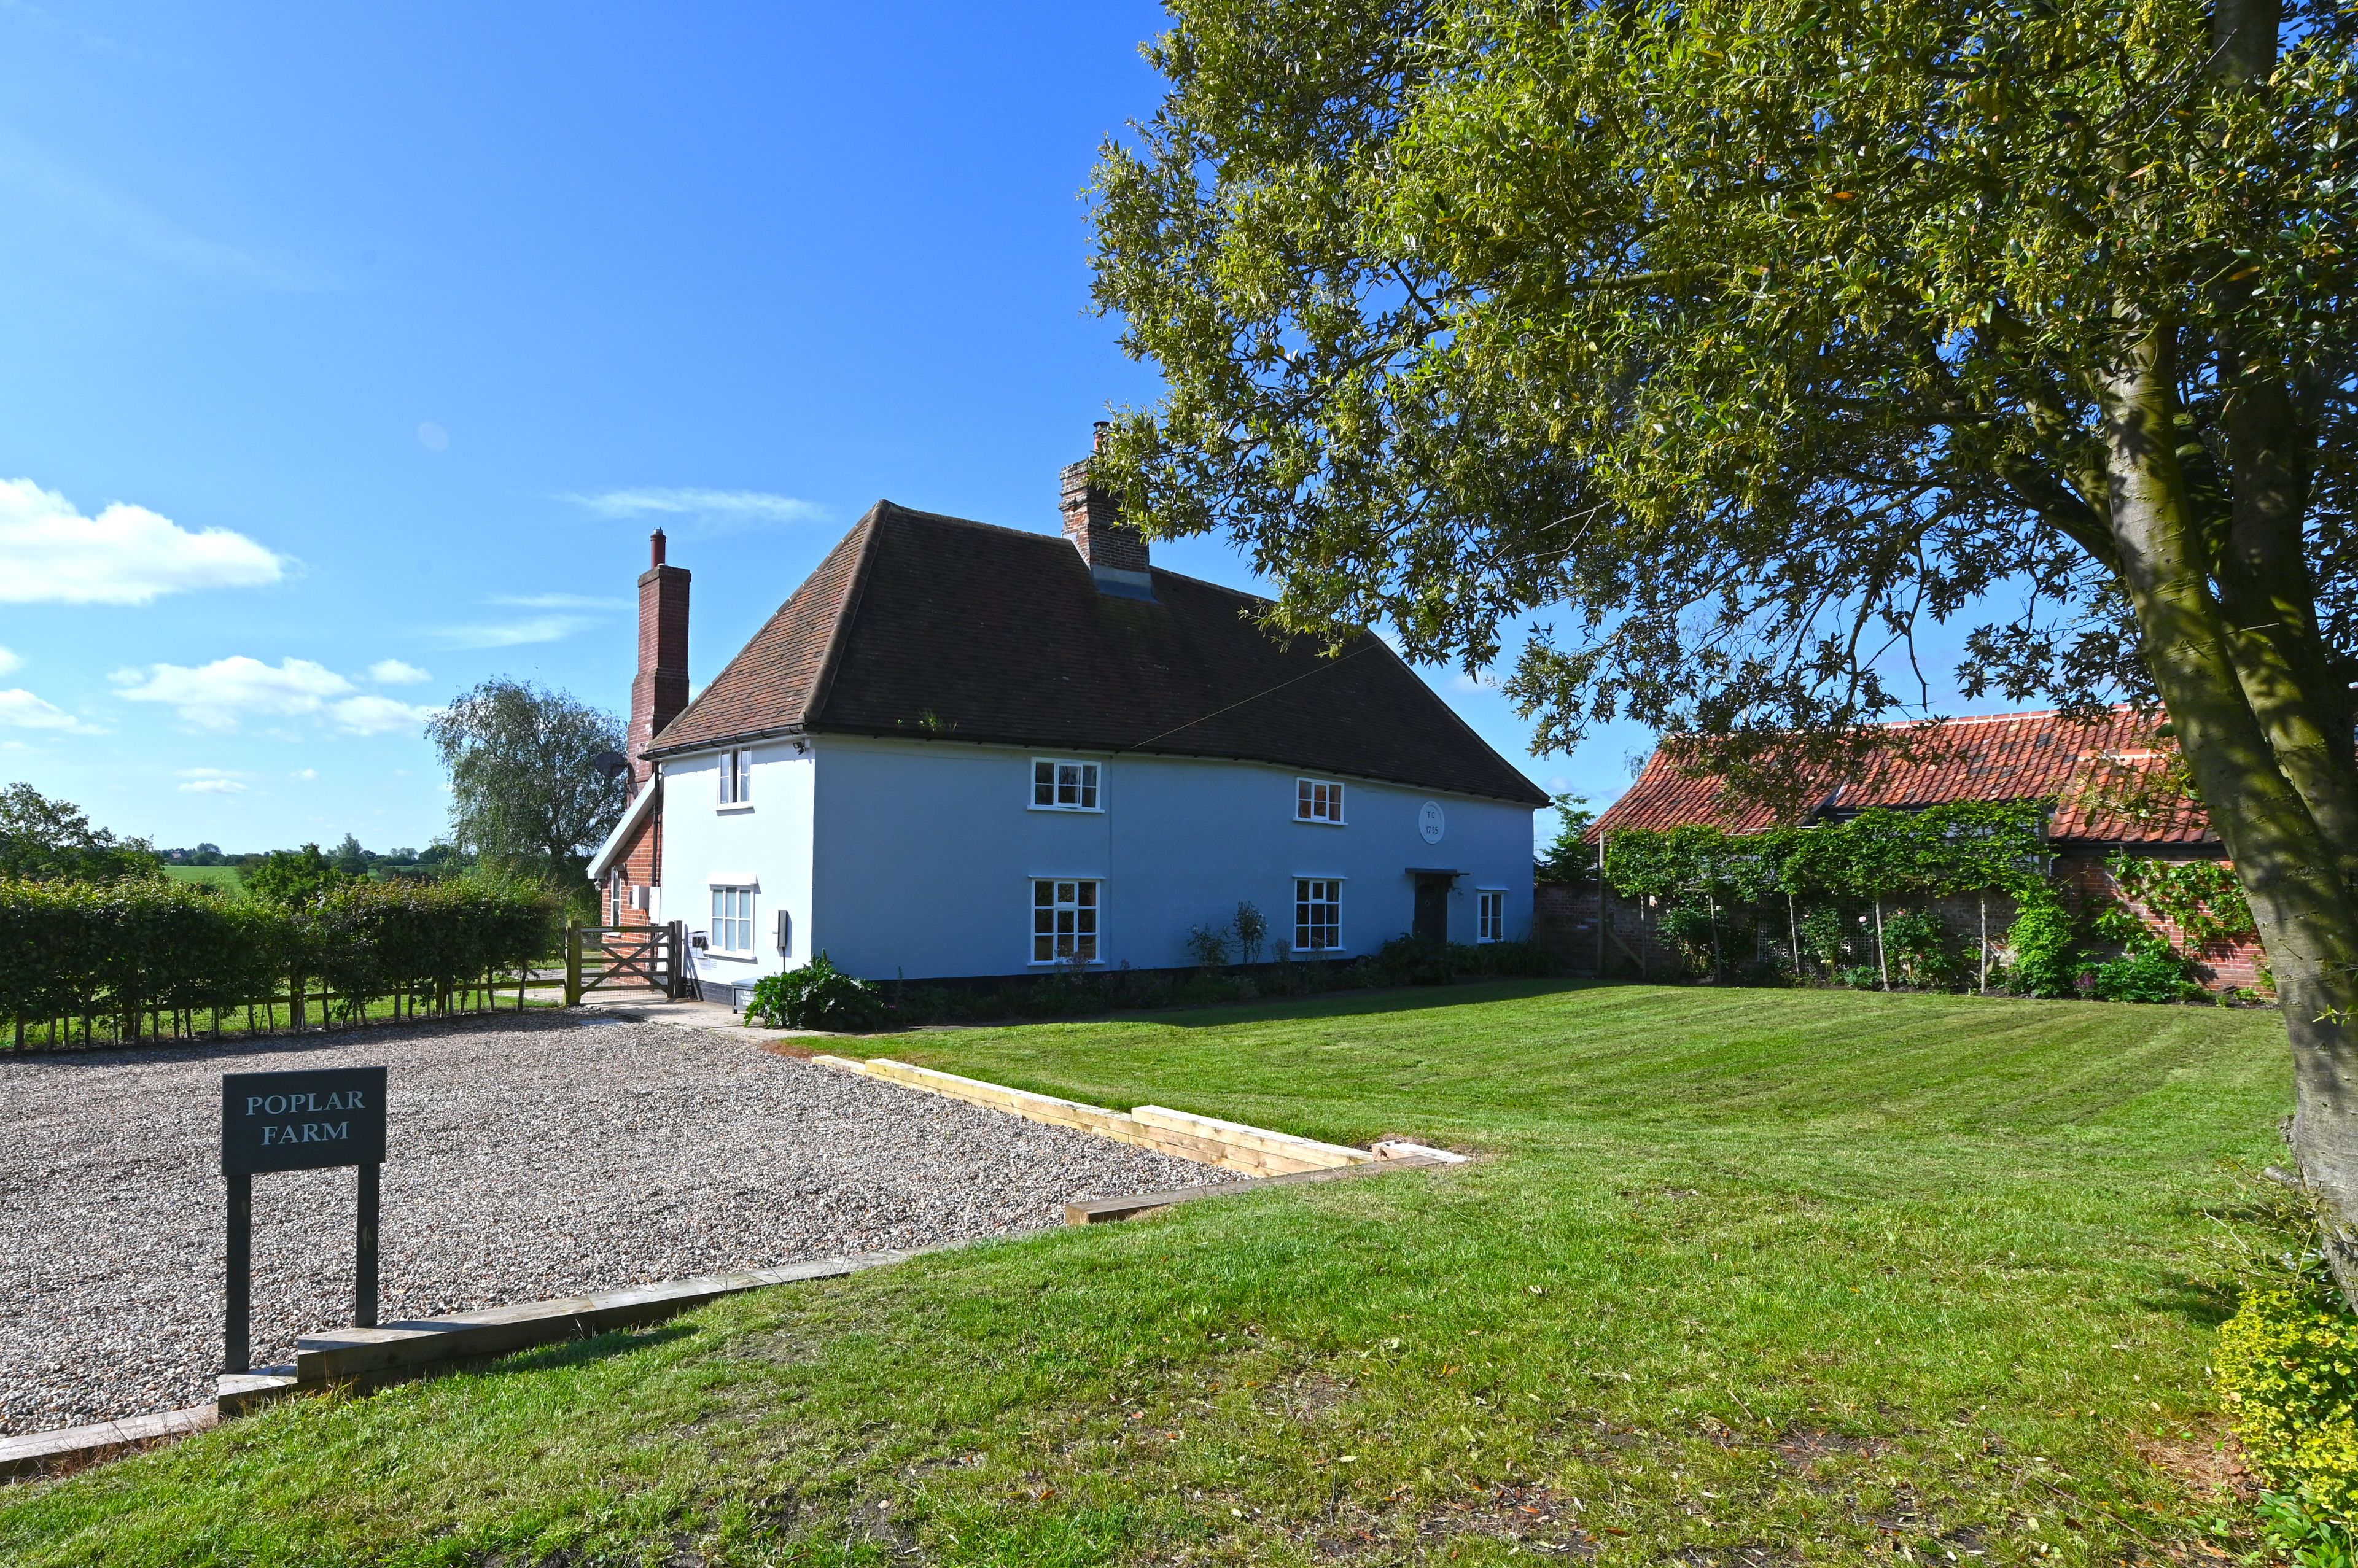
220 876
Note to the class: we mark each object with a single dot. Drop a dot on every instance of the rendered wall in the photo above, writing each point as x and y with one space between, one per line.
925 852
767 840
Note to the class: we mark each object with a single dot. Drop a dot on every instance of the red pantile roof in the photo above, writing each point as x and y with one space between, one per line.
2008 757
929 627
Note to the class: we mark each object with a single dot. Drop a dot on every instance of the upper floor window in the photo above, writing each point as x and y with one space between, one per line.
1317 800
736 778
1490 924
1064 786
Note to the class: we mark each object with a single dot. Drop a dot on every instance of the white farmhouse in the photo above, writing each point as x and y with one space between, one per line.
966 751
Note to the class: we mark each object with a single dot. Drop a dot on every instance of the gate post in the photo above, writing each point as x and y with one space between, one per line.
573 963
674 945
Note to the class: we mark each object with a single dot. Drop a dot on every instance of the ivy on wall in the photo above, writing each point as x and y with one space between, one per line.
1970 846
2202 898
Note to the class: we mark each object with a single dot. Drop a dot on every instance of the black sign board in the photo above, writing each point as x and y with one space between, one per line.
302 1121
298 1121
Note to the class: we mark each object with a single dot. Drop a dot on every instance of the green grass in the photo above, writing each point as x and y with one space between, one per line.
1747 1269
228 877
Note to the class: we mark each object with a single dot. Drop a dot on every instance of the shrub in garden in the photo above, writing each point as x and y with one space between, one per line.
1920 951
816 995
1690 931
2045 942
1826 937
2148 972
1416 961
2287 1373
1209 945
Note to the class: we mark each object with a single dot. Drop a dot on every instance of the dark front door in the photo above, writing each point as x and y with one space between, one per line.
1431 909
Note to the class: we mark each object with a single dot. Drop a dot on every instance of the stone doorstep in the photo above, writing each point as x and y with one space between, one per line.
38 1452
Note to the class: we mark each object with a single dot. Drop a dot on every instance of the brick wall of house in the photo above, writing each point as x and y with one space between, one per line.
641 866
2222 966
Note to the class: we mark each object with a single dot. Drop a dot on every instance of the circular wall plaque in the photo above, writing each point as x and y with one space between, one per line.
1430 821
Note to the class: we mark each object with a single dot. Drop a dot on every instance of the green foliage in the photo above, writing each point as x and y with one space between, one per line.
1251 928
1965 848
816 995
1825 935
293 878
2202 898
2149 972
1207 945
1570 858
2299 1535
1693 931
43 839
2045 941
527 791
123 952
2287 1373
1922 952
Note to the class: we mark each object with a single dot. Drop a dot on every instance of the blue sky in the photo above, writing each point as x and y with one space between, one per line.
352 352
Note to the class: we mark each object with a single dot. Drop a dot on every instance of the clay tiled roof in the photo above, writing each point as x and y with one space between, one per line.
937 628
2010 757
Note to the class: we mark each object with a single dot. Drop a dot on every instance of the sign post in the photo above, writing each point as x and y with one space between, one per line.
298 1122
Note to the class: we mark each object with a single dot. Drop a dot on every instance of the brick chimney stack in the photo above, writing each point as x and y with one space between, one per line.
661 689
1116 553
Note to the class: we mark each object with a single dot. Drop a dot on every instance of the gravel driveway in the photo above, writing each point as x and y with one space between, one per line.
528 1160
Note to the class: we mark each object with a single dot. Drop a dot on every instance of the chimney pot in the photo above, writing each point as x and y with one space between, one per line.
1096 438
655 548
661 689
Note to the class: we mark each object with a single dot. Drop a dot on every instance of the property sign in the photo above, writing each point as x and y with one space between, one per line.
302 1121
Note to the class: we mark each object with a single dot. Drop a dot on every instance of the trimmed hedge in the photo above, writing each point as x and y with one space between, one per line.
123 961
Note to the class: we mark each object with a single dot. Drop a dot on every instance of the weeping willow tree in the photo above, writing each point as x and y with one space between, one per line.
1740 344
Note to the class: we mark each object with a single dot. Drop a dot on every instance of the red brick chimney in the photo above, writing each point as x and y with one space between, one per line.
1115 553
661 690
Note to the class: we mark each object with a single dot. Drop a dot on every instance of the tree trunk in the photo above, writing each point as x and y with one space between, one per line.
1984 902
1882 962
2286 862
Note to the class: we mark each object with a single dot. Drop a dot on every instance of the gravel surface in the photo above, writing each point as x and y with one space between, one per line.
526 1160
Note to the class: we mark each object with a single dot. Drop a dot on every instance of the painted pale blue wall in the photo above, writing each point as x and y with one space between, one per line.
923 855
768 839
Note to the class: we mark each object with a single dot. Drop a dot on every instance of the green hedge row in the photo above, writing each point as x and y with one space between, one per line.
122 961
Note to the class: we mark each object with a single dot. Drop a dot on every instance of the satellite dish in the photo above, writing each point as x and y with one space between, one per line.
609 764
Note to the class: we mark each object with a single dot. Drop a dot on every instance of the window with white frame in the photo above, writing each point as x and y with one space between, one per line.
1490 911
1063 921
1317 800
736 778
732 920
1060 785
1317 915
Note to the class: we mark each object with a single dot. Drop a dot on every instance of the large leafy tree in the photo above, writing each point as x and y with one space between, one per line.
1744 340
532 788
43 839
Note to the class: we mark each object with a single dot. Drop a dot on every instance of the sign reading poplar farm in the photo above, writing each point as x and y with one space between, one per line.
298 1122
302 1121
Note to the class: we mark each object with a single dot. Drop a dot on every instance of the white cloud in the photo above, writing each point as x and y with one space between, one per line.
210 781
739 507
125 555
512 634
560 601
392 672
306 775
20 710
223 693
433 438
1472 681
378 715
9 661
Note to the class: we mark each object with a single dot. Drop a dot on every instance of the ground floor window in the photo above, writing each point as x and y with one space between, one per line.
1492 923
732 920
1063 921
1317 915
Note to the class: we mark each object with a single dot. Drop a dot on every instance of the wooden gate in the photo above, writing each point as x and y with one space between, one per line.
624 958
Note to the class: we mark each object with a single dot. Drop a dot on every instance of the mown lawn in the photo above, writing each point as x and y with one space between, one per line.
1751 1276
229 879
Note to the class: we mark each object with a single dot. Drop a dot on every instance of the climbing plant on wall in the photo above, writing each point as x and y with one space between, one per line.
2202 898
